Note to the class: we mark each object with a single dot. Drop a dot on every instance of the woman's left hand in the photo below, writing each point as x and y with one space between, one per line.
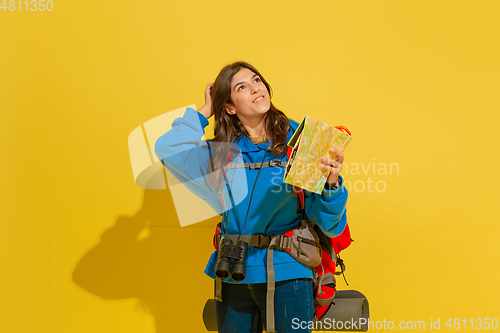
333 164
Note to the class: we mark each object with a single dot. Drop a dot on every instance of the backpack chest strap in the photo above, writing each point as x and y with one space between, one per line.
272 163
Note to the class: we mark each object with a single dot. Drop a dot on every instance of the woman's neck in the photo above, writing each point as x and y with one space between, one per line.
255 127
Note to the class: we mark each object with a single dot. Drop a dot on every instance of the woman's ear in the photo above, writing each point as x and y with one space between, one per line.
230 109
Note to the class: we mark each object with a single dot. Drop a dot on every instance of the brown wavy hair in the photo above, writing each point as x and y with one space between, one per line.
228 128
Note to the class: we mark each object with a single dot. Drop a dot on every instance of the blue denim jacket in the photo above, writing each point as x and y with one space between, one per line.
273 210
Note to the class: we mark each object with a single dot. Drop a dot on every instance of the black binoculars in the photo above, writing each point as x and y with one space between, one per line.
229 251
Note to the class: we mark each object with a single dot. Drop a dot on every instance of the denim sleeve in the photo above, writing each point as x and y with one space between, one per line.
187 157
328 209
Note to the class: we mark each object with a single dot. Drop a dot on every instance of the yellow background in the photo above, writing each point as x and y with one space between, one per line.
415 81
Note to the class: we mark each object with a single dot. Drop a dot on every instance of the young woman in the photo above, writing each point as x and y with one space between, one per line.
250 129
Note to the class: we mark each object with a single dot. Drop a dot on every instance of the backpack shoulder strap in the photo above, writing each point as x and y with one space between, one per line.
298 189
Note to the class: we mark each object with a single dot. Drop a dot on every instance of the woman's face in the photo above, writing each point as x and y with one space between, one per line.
249 95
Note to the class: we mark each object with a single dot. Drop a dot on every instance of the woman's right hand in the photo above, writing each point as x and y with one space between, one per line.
207 109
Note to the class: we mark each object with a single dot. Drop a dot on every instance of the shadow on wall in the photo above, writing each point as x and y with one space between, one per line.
148 256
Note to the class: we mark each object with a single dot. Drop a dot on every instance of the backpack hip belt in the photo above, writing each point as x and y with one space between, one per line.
259 241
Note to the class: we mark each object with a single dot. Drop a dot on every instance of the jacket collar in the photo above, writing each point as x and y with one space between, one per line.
245 145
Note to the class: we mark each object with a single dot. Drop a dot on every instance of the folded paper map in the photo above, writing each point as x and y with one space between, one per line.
310 142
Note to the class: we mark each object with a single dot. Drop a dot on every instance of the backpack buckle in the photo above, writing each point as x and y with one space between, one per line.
217 239
274 163
283 242
264 241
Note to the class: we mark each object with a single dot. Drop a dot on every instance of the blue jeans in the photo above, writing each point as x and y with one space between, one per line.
243 306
